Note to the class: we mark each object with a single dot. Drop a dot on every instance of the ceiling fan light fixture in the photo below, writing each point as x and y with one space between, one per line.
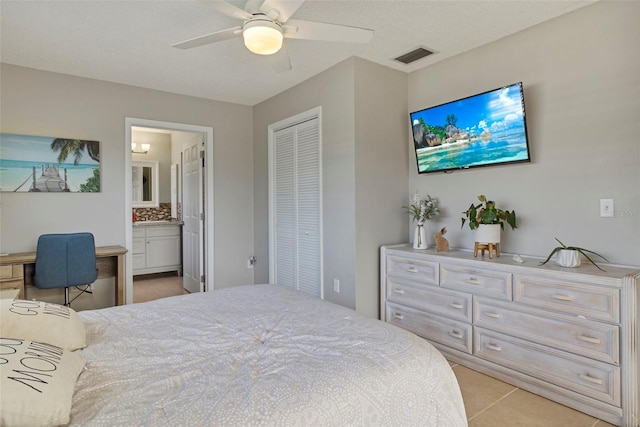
262 37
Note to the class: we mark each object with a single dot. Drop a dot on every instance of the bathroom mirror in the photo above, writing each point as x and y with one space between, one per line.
144 184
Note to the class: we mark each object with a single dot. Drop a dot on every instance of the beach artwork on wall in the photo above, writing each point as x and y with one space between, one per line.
48 164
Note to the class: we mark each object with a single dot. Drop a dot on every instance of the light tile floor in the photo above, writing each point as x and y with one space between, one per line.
148 287
492 403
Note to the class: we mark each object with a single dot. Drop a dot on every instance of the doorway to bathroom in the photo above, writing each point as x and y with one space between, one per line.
184 189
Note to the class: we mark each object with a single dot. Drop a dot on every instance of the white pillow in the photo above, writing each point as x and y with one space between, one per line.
43 322
37 382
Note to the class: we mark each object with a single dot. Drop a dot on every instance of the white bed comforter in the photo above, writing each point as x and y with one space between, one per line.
258 355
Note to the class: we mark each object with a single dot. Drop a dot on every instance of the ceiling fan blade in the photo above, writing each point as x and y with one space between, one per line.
227 9
253 6
286 8
308 30
280 61
218 36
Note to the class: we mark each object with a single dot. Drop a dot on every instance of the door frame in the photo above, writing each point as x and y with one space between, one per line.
209 222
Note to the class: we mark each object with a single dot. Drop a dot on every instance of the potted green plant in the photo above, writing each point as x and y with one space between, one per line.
569 256
488 220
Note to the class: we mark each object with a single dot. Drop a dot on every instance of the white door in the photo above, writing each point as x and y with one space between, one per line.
192 215
283 194
296 220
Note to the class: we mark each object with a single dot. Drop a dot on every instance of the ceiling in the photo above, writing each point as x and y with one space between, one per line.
129 42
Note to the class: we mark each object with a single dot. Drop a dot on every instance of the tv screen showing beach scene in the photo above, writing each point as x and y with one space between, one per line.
39 164
481 130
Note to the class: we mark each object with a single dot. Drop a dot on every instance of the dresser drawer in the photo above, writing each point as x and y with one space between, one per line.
12 284
414 271
477 281
11 271
434 328
452 304
585 376
594 302
11 280
582 337
6 271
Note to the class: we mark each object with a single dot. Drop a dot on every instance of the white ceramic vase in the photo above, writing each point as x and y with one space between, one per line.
420 237
488 233
568 258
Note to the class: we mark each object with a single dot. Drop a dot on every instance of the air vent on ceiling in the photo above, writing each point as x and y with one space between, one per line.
414 55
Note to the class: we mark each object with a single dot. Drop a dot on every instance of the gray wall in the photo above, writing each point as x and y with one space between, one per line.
41 103
381 173
581 76
364 172
334 91
581 83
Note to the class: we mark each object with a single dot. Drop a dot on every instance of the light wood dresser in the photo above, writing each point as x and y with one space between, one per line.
568 334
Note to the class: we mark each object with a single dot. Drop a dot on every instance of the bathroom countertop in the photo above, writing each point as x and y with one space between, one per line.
162 222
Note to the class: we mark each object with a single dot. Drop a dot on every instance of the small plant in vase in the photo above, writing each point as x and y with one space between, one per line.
569 256
421 210
488 220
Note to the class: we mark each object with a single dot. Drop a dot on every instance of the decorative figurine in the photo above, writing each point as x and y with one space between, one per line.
442 245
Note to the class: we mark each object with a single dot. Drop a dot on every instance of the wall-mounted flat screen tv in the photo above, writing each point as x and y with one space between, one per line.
481 130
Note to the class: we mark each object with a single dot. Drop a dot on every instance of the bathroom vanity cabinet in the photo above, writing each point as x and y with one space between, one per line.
157 247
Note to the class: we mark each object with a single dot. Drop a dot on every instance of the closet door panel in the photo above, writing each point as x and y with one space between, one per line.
296 207
284 208
308 207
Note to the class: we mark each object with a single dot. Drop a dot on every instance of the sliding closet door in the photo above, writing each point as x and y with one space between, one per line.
296 220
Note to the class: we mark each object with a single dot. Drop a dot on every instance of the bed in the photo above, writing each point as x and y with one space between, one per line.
257 355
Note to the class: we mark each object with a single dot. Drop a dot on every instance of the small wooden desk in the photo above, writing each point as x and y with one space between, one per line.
16 270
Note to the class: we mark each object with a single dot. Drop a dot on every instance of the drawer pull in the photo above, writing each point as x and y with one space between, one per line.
491 314
561 297
412 269
455 334
398 291
456 305
589 378
589 339
493 347
473 281
398 316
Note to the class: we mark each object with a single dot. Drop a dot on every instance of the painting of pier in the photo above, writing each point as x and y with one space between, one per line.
46 164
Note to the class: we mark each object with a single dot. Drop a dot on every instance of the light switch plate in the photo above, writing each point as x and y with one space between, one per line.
606 208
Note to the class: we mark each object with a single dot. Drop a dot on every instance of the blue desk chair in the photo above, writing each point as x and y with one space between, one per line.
65 260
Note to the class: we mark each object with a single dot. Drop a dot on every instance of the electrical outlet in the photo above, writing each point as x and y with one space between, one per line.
606 208
251 261
336 285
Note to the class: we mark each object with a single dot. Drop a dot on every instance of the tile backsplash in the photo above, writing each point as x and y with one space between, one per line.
161 213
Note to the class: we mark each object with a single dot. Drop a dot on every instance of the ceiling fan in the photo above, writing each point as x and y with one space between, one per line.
266 23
